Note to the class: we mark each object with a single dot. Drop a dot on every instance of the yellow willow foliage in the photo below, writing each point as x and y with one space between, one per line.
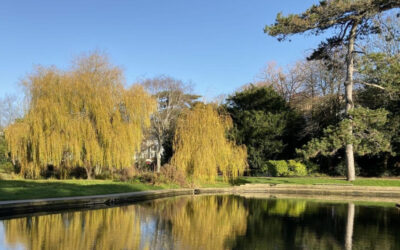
116 228
81 117
204 222
201 147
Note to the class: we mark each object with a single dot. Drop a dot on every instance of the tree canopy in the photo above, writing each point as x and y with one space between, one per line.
331 14
172 97
201 148
80 117
351 19
264 122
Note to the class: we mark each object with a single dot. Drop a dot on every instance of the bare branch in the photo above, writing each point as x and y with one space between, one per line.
371 85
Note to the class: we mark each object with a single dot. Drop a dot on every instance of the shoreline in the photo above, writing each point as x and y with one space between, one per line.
12 208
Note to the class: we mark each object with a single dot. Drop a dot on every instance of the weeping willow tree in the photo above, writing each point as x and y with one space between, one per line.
80 117
201 149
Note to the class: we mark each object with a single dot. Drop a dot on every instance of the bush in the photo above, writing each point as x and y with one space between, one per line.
5 163
278 168
262 171
148 177
286 168
126 174
6 167
297 168
173 175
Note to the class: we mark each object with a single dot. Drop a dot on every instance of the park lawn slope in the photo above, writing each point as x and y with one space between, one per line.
378 182
38 189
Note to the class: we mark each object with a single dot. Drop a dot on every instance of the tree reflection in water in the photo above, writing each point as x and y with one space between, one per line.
116 228
205 222
211 222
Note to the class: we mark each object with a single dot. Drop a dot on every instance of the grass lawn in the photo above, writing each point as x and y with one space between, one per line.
35 189
382 182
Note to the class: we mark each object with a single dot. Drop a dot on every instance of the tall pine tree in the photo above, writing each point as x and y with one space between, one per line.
350 20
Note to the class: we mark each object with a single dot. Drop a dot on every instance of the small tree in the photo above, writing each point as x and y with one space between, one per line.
172 96
201 148
352 18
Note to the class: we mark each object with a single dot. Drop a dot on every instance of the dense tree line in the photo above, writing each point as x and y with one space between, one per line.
299 112
351 21
343 101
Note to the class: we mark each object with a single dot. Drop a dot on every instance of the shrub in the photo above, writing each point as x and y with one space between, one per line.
5 164
126 174
278 168
262 171
6 168
173 175
285 168
148 177
80 173
297 168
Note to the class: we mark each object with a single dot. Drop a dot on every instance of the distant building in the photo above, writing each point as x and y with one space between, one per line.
148 149
147 154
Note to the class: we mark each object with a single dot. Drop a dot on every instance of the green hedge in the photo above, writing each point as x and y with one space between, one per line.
278 168
297 168
286 168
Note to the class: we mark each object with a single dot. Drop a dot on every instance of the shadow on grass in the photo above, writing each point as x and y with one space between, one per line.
239 181
28 189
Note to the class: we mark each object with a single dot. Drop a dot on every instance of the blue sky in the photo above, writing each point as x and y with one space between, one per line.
218 45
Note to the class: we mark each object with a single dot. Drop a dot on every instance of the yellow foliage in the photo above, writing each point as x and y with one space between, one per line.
81 117
204 222
201 148
117 228
201 222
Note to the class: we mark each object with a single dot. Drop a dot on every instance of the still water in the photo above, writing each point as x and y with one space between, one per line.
210 222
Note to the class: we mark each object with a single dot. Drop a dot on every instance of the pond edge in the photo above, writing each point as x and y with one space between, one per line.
25 207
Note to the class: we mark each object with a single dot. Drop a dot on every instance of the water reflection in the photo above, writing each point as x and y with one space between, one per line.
210 222
349 226
117 228
206 222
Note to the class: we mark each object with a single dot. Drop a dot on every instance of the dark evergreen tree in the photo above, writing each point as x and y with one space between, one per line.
352 20
265 123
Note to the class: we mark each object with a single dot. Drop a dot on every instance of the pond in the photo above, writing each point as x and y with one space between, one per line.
210 222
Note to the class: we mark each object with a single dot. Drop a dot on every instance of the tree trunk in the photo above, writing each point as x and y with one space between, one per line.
88 172
158 156
349 226
385 163
351 175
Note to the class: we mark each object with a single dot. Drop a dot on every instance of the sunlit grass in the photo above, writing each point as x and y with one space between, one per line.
36 189
382 182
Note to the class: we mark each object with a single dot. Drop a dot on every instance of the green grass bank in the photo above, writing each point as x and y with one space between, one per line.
37 189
